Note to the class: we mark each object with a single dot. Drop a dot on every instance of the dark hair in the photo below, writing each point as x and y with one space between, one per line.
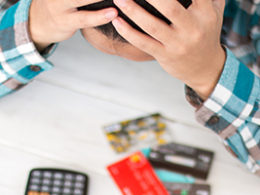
110 31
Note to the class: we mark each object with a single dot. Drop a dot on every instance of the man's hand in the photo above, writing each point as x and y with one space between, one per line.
189 49
52 21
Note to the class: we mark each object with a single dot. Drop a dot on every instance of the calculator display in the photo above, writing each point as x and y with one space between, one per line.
56 182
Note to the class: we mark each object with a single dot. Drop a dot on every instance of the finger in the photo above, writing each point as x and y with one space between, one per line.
86 19
79 3
136 38
152 25
172 10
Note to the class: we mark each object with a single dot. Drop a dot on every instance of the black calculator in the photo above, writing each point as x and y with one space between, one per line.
45 181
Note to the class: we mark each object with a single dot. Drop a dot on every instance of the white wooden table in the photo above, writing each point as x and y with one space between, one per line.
57 120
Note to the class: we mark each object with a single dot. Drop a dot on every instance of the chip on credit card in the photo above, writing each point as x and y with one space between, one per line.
135 176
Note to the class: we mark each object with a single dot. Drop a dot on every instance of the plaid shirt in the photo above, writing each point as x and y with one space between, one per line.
232 110
19 59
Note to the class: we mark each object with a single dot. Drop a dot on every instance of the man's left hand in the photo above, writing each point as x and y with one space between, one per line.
188 49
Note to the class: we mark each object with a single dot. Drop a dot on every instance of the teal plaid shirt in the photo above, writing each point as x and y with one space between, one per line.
19 60
232 110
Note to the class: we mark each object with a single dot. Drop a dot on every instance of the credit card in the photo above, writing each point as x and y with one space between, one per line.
134 134
135 176
187 189
182 158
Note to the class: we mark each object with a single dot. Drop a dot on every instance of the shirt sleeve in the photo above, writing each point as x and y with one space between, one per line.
20 61
232 111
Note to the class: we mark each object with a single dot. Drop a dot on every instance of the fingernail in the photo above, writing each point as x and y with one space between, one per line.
110 15
121 3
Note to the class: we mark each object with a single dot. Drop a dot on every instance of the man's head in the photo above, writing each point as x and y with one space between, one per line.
107 39
108 29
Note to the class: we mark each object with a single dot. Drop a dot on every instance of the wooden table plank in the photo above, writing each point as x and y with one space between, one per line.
64 128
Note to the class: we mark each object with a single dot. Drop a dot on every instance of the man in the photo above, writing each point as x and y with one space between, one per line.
224 91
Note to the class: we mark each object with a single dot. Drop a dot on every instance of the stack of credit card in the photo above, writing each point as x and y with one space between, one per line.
137 133
163 167
134 175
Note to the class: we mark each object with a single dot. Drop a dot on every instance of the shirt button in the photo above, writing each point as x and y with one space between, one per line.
213 120
35 68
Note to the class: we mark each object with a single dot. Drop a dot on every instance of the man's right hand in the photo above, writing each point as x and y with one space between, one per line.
52 21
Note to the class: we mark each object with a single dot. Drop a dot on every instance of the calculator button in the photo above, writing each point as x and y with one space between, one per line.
79 185
35 181
57 183
69 177
45 188
34 187
56 190
80 178
36 173
67 190
78 191
47 174
46 181
67 184
58 175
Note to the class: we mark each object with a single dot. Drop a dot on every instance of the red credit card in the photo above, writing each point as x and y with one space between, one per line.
135 176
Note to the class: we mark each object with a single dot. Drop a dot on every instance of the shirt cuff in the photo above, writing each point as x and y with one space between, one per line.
234 96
